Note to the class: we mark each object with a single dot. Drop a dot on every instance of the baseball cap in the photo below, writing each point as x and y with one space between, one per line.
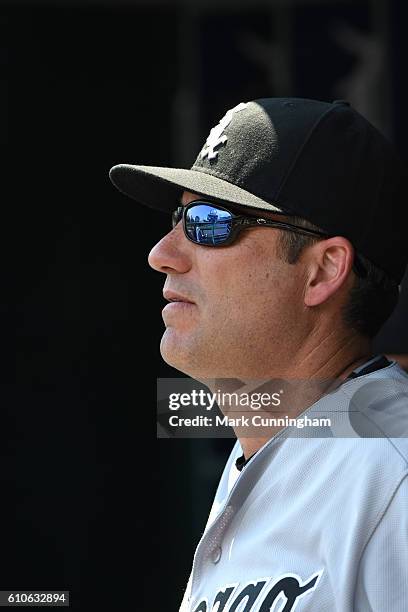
317 160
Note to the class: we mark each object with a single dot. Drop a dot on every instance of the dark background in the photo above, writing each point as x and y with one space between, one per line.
91 501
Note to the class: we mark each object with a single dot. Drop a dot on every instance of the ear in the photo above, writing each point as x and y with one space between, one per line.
329 263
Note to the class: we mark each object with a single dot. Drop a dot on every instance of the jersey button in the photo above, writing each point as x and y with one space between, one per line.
216 554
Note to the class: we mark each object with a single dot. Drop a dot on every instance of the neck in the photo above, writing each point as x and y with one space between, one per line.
287 391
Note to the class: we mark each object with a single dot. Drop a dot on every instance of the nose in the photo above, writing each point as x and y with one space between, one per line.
171 253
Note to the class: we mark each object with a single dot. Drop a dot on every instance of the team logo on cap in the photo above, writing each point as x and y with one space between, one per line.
216 136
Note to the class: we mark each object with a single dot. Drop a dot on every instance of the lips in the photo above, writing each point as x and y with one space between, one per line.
172 296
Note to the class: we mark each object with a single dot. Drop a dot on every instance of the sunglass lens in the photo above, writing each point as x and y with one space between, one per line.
206 224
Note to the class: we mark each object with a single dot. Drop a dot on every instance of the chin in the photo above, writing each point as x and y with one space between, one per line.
172 350
184 355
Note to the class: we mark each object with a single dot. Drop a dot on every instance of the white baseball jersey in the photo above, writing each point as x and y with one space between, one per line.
316 523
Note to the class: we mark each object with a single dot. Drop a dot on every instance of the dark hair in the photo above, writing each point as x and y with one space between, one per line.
373 295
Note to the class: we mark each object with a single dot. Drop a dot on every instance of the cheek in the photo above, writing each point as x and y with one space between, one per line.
248 281
248 288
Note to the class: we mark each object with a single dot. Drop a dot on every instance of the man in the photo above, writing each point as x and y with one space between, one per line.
301 207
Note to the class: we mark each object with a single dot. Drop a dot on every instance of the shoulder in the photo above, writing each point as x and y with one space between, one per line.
373 406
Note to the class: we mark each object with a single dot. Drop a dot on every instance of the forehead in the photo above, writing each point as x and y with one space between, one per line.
188 197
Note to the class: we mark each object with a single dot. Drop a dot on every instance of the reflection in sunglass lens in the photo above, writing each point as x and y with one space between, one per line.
207 224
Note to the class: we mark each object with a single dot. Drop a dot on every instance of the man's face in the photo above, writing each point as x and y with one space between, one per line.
245 303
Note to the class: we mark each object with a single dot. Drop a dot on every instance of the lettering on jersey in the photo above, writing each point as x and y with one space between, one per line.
262 595
222 598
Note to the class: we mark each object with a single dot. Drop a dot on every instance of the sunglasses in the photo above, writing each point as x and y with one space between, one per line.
209 224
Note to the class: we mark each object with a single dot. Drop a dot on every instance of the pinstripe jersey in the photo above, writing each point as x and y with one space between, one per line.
315 521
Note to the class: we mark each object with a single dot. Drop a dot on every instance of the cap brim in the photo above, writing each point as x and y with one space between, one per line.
160 188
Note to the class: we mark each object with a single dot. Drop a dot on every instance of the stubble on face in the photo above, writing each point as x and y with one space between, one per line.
247 302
